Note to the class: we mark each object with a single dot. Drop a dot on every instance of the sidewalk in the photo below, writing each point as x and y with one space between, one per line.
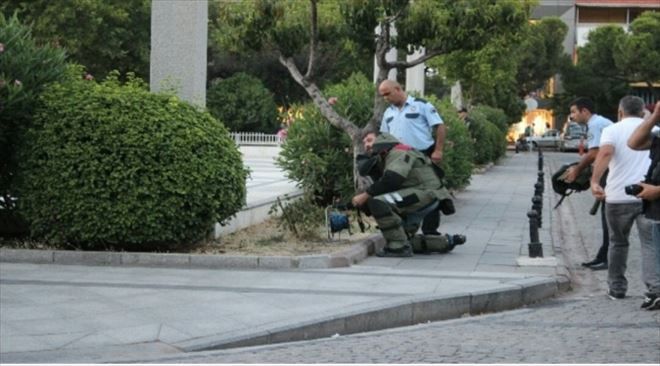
69 313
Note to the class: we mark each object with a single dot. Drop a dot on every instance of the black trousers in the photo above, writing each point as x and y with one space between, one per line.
602 251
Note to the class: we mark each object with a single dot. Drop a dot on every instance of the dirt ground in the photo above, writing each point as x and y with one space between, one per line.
263 239
268 239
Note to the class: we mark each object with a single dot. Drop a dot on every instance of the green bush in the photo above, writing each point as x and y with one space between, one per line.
486 135
495 116
458 149
25 69
318 155
112 165
243 103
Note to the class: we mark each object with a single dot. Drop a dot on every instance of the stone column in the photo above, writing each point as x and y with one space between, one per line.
415 75
178 48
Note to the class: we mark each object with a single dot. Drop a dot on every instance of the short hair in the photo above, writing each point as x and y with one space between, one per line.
583 103
632 106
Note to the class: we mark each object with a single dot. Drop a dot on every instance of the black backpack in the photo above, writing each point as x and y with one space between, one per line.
561 187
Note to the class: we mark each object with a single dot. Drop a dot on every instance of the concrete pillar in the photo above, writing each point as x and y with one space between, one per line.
178 48
457 95
415 75
391 55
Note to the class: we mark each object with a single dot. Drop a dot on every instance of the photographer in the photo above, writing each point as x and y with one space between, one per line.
622 209
646 137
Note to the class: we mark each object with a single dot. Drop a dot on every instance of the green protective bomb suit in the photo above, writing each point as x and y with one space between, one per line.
404 184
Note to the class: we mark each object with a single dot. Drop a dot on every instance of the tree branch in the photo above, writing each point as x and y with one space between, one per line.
407 64
320 101
313 39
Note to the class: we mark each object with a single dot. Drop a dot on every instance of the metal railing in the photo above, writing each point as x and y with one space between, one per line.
256 138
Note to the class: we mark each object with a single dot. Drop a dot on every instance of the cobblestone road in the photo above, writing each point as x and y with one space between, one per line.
583 326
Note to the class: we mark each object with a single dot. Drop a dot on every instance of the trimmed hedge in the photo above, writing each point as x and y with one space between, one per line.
458 150
487 135
243 104
112 165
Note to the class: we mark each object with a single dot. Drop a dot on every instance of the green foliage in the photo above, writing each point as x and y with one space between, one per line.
301 217
540 53
99 34
509 65
117 166
639 51
486 134
354 98
318 155
25 69
458 149
242 103
495 116
595 75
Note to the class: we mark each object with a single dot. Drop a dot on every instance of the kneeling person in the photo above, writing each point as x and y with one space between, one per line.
405 186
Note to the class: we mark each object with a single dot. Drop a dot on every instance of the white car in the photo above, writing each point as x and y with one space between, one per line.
573 135
551 138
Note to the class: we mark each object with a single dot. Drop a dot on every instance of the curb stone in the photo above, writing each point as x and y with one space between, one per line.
344 258
389 314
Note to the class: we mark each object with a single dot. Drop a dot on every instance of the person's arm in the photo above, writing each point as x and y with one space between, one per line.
641 138
440 134
603 159
587 159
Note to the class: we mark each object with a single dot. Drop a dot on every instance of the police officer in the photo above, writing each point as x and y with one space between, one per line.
412 121
404 183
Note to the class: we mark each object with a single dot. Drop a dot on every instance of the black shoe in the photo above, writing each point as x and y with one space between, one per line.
650 300
457 239
615 295
592 263
403 252
655 305
598 267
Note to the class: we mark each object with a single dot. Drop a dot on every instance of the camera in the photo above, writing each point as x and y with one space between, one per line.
633 189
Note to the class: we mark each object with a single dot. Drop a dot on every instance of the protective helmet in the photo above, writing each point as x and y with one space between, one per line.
384 142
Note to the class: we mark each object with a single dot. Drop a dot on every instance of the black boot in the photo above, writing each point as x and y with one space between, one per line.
402 252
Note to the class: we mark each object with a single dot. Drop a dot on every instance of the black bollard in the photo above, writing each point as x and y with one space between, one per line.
535 247
540 160
541 180
537 205
538 189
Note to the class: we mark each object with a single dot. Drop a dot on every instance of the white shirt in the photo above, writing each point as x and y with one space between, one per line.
627 166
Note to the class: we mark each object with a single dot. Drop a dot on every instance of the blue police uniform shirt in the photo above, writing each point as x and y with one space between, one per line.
595 127
413 123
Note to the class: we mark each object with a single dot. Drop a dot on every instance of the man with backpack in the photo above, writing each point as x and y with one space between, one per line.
583 111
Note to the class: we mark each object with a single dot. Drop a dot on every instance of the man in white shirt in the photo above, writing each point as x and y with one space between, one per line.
626 167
